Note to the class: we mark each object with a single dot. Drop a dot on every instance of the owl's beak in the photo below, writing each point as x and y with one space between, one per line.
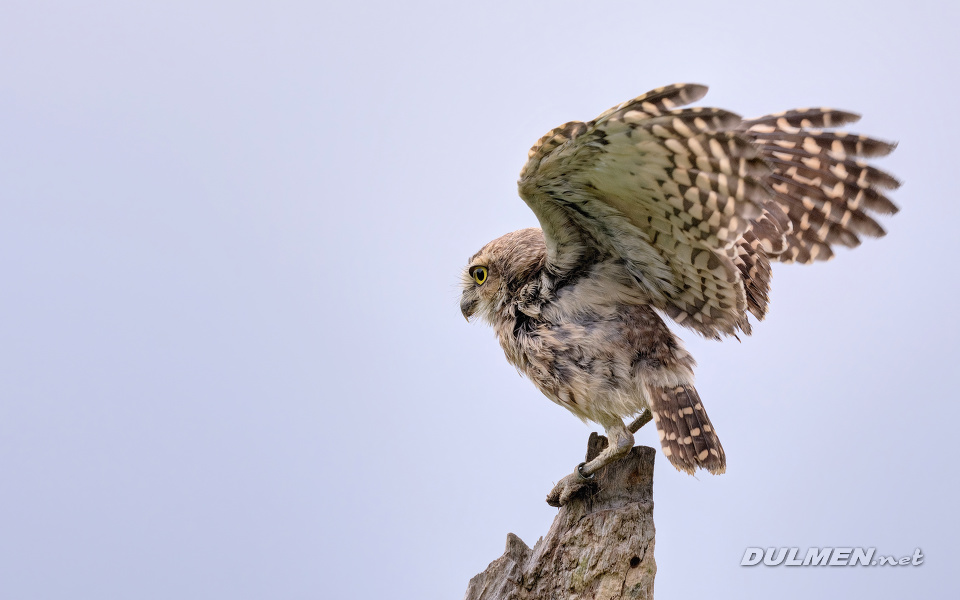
468 306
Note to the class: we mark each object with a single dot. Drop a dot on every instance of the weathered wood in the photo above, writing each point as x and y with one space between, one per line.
600 545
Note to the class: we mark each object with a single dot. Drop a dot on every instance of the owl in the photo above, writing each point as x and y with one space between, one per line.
651 211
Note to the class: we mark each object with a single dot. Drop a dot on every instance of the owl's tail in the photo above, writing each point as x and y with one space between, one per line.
686 433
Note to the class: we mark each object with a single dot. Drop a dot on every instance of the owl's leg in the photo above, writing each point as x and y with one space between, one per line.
645 417
620 441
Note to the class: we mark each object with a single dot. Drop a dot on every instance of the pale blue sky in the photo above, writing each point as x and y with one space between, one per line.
232 362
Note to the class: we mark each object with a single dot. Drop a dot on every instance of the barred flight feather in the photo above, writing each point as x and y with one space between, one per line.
656 102
803 118
827 193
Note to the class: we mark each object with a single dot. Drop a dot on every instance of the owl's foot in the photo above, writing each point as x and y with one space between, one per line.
583 476
569 486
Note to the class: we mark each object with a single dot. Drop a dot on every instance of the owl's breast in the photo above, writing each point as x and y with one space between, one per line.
586 364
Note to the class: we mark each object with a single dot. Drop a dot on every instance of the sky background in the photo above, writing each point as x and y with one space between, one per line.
232 363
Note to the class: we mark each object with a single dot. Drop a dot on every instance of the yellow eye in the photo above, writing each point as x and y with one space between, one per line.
479 274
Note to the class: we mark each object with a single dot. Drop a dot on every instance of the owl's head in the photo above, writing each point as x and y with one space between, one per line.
495 274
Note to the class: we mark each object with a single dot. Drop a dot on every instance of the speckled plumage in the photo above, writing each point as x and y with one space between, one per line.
653 209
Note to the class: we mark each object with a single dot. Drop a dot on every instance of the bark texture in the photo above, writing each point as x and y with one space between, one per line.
600 545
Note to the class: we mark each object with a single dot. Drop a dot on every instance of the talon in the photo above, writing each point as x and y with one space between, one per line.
582 476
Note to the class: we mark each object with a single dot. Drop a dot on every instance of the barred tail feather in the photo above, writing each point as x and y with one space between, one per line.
686 433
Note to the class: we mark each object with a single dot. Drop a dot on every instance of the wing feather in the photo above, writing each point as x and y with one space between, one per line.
828 193
696 202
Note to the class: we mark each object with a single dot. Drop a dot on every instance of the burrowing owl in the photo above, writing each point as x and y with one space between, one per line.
652 210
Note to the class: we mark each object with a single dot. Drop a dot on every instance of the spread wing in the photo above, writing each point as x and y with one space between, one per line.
696 202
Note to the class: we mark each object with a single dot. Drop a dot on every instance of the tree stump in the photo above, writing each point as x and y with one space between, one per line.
600 545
